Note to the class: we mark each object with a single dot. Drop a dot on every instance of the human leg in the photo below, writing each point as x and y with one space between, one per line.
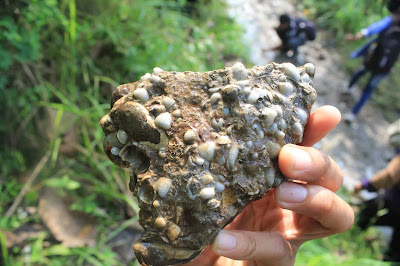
295 42
394 246
367 92
390 201
367 215
356 76
392 253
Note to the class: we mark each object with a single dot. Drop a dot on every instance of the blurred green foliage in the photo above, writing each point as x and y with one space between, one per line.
353 247
59 63
340 17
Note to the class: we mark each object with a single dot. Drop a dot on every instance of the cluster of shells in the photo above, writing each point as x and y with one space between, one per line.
201 146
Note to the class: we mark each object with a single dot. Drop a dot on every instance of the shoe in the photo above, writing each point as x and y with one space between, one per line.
349 118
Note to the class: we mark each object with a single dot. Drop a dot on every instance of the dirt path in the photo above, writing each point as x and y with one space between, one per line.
359 149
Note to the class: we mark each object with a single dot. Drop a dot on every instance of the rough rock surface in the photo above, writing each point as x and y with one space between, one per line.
201 146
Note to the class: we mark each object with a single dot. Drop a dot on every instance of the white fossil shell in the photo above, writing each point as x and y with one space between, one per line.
297 129
142 95
286 88
207 179
303 116
115 150
239 71
199 161
163 121
157 70
232 156
310 69
249 144
253 97
291 71
206 150
176 113
222 140
160 222
207 193
163 186
155 79
270 176
270 116
215 97
145 77
189 136
168 102
217 125
219 187
273 149
122 136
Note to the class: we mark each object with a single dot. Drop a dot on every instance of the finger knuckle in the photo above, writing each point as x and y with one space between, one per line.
250 248
327 165
348 221
331 203
327 204
281 249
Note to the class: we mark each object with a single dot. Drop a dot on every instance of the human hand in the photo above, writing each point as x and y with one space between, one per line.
357 188
270 231
353 37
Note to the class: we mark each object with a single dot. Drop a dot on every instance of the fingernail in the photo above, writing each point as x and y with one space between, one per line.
302 160
290 192
225 241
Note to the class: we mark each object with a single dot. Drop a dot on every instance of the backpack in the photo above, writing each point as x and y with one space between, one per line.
308 27
383 53
393 6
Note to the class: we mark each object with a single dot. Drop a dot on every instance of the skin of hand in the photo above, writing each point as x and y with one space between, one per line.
357 187
354 37
271 230
276 48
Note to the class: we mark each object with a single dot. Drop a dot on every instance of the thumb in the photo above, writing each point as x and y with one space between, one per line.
269 247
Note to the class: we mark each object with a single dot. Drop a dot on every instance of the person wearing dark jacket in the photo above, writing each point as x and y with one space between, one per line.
294 32
380 54
388 180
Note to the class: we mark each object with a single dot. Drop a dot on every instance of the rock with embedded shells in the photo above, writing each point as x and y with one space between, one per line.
201 146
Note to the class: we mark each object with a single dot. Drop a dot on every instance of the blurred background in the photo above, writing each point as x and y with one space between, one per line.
61 199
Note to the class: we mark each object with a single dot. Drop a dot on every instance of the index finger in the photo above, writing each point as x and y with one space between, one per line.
320 123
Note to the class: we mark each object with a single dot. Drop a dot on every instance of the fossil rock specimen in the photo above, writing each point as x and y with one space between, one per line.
201 146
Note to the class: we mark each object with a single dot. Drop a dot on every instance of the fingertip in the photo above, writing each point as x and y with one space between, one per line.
285 159
295 161
320 123
321 204
224 242
290 192
327 112
248 245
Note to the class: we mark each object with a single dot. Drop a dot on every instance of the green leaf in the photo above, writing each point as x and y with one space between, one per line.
64 182
56 250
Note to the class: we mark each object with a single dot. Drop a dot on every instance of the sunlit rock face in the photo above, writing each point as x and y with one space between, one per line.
201 146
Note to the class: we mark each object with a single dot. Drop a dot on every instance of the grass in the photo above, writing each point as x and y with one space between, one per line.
60 62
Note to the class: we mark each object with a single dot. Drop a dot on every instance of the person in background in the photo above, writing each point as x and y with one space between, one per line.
389 180
271 230
380 54
293 32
